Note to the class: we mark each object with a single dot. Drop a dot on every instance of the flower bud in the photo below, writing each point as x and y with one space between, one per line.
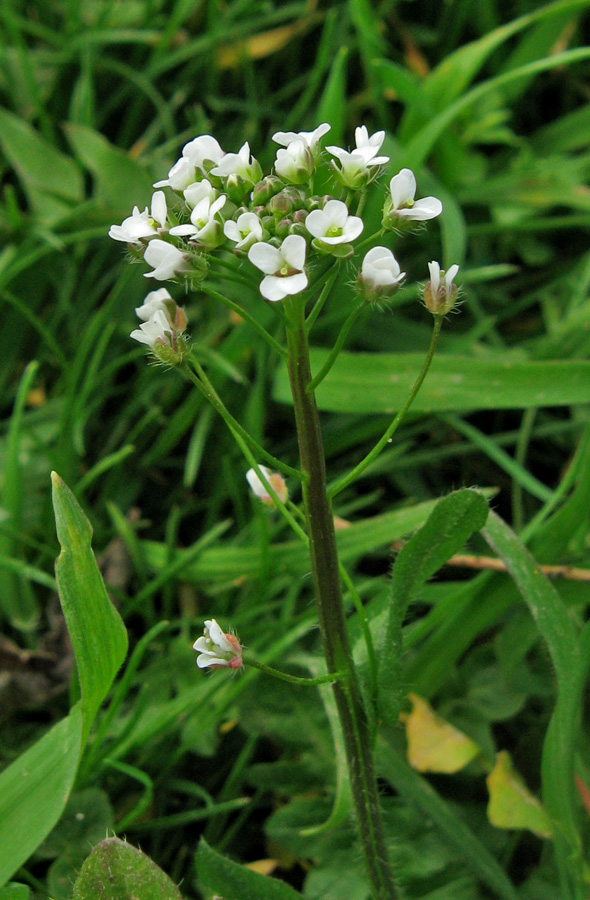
283 228
380 275
236 187
266 189
440 294
276 481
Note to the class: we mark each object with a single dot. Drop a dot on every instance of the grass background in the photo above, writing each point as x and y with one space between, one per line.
488 102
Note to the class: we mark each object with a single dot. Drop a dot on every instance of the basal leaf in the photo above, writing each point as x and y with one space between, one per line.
511 804
235 882
98 635
117 871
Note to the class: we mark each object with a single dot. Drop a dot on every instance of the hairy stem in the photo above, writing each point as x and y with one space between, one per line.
326 580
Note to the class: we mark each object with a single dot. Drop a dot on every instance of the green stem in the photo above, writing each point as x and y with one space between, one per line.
326 580
242 442
374 453
250 319
293 679
317 379
210 394
318 306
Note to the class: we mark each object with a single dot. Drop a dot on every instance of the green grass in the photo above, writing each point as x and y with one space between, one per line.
487 101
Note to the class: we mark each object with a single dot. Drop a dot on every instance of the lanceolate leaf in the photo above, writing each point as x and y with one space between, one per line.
234 882
557 629
98 635
449 525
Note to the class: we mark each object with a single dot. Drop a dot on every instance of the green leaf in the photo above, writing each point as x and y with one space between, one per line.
34 790
99 637
120 181
117 871
332 105
557 629
51 181
235 882
450 524
15 891
380 382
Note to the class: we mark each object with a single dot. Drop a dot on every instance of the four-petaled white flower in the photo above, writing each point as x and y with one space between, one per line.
156 329
142 225
197 191
276 481
333 225
154 301
309 138
245 232
359 167
195 155
217 649
166 259
380 273
282 266
440 294
402 188
295 164
241 164
204 228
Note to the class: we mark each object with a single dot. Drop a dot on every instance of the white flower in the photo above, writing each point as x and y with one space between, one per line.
283 267
440 294
276 481
142 225
195 154
204 227
217 649
245 232
157 328
241 164
366 144
381 269
309 138
403 190
333 225
295 164
197 191
166 259
380 275
154 301
355 167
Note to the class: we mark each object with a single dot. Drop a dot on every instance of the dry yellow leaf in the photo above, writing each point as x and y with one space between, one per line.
265 44
511 803
435 745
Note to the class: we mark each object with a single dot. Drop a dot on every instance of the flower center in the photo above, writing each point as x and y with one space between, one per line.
333 231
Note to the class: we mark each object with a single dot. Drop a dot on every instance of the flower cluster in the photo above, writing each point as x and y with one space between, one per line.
220 203
217 649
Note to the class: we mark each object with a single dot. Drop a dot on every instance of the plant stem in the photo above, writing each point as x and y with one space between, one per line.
317 379
292 679
326 580
354 474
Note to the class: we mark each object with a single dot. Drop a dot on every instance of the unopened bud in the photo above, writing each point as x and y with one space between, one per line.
276 481
380 275
266 189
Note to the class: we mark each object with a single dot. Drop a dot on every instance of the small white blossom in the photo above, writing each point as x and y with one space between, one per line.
282 266
333 225
296 163
440 294
216 649
245 232
241 164
309 138
402 188
195 154
359 167
197 191
276 481
371 144
157 328
154 301
142 225
204 228
380 274
166 259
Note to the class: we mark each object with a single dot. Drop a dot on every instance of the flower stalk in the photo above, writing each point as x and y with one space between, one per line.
326 580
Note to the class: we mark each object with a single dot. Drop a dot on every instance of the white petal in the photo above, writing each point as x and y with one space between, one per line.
434 269
265 257
337 212
231 231
402 187
293 251
256 484
205 660
317 223
294 284
427 208
182 230
159 208
352 228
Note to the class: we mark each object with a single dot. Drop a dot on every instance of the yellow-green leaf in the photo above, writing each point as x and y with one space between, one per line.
511 803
